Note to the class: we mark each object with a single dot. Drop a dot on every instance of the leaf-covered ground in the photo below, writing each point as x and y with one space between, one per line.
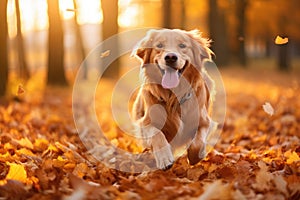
257 156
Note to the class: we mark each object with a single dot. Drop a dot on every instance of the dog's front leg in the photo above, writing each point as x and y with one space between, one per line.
197 149
150 126
162 151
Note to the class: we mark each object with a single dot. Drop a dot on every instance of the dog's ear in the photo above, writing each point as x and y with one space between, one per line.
143 48
201 48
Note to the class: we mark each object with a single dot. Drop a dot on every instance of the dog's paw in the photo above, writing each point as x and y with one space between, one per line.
195 154
164 158
202 154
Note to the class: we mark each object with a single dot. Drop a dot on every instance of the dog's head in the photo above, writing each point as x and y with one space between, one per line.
171 52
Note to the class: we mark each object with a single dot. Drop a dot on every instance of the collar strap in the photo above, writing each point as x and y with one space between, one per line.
186 97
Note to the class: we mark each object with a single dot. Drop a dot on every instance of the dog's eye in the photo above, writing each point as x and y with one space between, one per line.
159 45
182 46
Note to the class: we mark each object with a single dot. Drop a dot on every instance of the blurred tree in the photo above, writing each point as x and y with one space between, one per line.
24 71
283 51
183 14
270 18
3 47
56 71
110 28
218 33
241 6
79 38
167 11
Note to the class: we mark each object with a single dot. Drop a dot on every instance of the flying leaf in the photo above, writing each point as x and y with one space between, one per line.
71 10
105 54
21 90
268 108
280 40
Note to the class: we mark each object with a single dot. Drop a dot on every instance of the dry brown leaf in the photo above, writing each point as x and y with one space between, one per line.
216 190
263 177
280 184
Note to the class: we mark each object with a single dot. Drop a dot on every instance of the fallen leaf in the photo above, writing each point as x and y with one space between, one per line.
263 177
25 142
291 157
216 190
16 172
280 184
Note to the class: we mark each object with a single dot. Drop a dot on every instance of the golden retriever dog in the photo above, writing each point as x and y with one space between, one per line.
171 108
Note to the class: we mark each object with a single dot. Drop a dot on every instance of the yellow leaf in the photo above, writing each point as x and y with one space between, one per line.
52 148
291 157
41 144
8 146
16 172
25 152
4 156
280 40
25 142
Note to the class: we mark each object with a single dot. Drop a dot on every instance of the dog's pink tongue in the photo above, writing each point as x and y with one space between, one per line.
170 79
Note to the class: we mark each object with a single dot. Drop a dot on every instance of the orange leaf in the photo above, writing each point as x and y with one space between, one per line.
280 40
21 90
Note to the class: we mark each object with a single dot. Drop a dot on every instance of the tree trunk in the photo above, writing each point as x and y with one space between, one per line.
166 4
183 14
24 71
3 48
241 25
56 71
79 38
110 28
218 33
283 58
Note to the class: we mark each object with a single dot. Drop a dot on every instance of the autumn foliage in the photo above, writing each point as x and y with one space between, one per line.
257 156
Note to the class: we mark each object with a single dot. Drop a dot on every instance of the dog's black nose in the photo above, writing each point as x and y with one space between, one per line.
171 58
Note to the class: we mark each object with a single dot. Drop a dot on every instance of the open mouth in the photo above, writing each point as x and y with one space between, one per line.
179 71
171 76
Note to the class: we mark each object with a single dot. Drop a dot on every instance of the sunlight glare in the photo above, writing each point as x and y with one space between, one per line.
63 6
128 17
89 13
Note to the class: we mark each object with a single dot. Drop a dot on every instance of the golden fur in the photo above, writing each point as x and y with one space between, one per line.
163 120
